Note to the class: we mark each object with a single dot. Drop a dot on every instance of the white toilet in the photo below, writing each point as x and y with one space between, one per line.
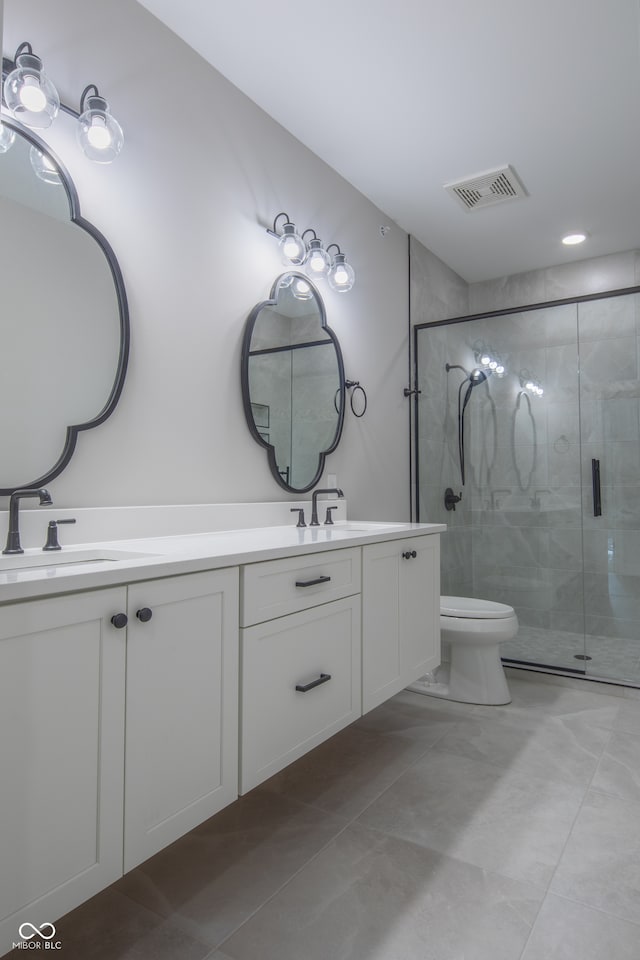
474 630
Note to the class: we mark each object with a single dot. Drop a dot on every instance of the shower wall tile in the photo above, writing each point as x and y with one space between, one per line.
559 378
509 546
570 622
615 418
563 423
616 606
613 317
526 481
597 275
505 292
437 292
607 362
564 549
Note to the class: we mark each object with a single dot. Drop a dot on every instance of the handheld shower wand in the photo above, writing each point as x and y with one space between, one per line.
473 378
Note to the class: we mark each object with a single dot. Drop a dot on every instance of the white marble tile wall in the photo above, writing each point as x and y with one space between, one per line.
529 462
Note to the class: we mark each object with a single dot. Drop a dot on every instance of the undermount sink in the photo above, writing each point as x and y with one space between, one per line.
365 527
31 560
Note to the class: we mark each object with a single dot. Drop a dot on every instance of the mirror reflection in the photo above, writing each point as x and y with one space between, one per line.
64 320
293 382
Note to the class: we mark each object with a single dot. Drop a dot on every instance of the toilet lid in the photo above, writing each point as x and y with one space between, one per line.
474 609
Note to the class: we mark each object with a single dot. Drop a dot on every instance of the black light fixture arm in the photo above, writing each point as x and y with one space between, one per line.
334 245
24 48
87 92
274 230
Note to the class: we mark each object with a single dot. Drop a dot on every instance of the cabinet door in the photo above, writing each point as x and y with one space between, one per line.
300 685
400 615
182 707
62 668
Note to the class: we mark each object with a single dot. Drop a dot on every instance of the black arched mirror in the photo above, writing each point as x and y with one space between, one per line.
293 382
65 325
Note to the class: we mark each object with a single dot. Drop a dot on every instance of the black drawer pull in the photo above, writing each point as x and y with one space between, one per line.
304 687
312 583
409 555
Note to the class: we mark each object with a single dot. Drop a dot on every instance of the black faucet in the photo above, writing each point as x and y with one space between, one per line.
314 500
13 536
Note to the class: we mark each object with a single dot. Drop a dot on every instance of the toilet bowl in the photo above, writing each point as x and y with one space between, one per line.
474 630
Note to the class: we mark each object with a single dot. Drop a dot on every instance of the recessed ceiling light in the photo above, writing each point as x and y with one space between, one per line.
573 238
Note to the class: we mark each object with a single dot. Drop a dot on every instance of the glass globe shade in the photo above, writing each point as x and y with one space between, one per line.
29 93
292 246
317 262
99 134
341 276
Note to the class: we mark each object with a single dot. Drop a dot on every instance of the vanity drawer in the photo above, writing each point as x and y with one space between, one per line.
280 723
276 588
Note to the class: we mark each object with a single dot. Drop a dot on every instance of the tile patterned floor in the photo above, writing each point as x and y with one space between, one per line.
425 831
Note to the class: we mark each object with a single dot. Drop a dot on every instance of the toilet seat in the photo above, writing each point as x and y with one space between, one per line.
468 608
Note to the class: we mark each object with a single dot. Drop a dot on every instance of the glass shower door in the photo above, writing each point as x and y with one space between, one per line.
608 335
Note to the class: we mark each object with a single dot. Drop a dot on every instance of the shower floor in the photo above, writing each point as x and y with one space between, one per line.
612 658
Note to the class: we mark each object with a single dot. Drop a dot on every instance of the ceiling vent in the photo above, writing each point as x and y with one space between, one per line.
487 189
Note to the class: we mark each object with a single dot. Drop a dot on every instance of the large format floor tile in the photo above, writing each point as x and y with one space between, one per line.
415 717
212 879
618 772
570 931
464 813
372 897
552 748
498 819
542 699
346 773
113 927
600 866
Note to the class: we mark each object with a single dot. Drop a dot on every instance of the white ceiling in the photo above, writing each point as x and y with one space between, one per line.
403 96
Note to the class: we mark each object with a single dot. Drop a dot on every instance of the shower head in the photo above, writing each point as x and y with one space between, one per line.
478 376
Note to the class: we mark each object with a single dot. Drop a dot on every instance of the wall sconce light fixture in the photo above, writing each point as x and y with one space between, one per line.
317 260
34 101
99 134
291 245
29 93
341 276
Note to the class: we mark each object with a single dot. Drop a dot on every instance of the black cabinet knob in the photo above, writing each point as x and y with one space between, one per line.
119 620
144 614
409 555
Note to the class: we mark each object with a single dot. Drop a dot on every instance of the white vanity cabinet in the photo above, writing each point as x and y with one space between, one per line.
300 658
181 707
62 685
113 741
400 615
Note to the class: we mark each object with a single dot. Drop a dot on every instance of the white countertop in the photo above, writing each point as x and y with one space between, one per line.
150 558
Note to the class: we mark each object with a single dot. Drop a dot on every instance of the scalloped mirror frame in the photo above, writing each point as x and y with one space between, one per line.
246 396
75 216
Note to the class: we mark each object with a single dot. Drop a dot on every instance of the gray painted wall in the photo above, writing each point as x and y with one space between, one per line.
185 208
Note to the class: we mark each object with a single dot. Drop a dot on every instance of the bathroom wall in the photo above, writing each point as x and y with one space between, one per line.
202 174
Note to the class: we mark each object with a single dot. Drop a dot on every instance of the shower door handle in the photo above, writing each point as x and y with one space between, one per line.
595 480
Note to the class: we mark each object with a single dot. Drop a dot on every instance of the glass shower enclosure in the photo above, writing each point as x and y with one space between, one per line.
532 417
